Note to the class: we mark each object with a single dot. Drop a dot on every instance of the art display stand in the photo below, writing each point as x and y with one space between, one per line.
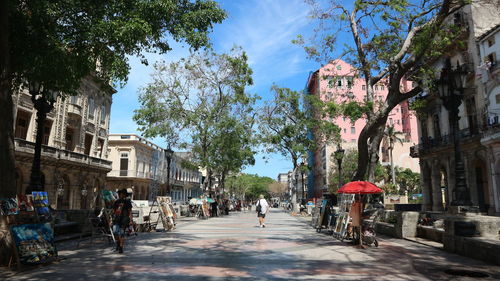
99 224
342 222
166 213
30 228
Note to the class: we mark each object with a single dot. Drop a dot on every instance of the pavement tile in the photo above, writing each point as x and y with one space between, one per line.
234 248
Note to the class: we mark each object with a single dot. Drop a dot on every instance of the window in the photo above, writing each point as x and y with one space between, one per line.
350 95
345 131
353 130
126 137
382 87
91 107
380 98
343 119
363 87
103 114
46 132
123 164
497 98
349 82
491 41
353 140
391 121
331 81
376 87
397 121
492 57
339 82
73 100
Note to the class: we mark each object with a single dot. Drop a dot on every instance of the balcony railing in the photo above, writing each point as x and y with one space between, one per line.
130 174
427 145
61 154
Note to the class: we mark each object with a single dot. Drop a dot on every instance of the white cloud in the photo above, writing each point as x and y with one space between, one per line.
265 29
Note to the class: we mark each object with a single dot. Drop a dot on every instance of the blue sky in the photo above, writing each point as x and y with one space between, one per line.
264 28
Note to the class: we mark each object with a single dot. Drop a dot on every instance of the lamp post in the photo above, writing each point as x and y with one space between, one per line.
302 171
168 154
339 155
451 86
43 101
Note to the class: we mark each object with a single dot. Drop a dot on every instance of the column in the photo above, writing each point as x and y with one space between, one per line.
425 180
493 182
437 199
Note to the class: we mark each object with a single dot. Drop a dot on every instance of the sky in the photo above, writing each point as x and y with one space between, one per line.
264 29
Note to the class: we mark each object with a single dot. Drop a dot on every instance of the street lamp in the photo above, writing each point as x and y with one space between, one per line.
302 171
339 155
451 87
43 101
168 154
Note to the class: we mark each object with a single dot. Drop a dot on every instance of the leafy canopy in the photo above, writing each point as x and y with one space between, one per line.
57 43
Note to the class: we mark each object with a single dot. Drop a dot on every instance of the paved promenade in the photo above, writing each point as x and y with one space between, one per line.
234 248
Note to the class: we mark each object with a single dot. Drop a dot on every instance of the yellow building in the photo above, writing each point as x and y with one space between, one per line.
74 150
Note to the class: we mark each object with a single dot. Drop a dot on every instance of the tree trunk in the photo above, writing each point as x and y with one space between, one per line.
393 172
374 146
7 156
368 147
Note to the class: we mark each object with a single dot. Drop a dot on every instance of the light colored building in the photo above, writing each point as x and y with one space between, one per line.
143 166
339 82
74 148
478 121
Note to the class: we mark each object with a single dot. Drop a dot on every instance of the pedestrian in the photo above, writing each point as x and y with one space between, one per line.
355 214
262 207
122 218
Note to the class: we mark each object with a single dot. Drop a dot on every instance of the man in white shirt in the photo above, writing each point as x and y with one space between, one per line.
262 207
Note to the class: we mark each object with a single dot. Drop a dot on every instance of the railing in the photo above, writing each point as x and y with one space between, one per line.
49 151
427 145
130 174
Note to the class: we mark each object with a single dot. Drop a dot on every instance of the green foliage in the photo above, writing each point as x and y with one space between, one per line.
200 103
419 105
285 123
57 43
251 186
394 41
349 166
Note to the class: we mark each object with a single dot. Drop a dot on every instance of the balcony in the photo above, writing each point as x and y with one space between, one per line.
432 144
74 109
62 155
130 174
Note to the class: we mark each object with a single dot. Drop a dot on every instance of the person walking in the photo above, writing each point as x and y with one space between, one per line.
262 207
122 218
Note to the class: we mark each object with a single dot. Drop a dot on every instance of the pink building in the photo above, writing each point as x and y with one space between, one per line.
339 81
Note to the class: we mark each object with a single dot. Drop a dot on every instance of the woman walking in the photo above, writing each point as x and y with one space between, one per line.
262 207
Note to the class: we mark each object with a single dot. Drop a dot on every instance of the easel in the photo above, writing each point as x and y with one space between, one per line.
93 221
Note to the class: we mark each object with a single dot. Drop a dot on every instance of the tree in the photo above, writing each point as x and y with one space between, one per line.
393 41
393 137
277 189
249 186
55 44
409 181
349 166
286 126
201 102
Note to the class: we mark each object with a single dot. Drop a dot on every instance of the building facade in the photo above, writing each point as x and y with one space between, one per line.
339 82
478 118
74 150
144 167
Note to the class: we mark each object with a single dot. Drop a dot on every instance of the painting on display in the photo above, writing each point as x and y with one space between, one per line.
41 202
25 203
8 206
109 198
34 243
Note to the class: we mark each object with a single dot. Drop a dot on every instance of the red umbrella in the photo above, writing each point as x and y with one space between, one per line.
359 187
